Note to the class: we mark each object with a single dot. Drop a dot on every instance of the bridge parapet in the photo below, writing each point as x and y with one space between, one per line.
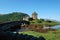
13 25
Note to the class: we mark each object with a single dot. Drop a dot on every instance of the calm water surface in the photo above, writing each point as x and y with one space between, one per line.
56 27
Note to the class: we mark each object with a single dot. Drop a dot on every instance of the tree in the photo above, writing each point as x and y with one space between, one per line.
30 19
49 21
42 19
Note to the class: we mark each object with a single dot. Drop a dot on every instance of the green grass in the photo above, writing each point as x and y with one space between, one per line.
46 24
49 36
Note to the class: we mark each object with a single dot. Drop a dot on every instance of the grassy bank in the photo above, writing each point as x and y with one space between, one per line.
49 36
46 24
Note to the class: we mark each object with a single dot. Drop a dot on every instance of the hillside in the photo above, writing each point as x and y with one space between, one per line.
14 16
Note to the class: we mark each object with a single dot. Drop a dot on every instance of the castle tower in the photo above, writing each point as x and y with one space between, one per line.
34 15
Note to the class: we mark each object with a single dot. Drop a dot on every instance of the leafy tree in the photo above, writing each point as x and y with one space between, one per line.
49 21
30 19
39 21
42 19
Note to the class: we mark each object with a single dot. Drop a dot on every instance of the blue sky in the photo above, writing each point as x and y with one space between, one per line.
49 9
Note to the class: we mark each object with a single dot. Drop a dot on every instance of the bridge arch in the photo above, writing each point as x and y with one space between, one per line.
12 26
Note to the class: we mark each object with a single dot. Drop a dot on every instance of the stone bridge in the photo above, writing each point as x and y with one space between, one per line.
13 26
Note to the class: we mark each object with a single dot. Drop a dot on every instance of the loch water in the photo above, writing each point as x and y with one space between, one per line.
56 27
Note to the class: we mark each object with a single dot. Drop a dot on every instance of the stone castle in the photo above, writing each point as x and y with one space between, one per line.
34 16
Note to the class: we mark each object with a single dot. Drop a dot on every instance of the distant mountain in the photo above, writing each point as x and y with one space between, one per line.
14 16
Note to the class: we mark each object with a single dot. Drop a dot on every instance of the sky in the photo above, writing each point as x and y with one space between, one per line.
47 9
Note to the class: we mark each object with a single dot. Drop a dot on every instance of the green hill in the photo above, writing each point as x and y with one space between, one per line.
14 16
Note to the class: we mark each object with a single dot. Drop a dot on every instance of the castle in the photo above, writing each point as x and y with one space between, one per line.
34 16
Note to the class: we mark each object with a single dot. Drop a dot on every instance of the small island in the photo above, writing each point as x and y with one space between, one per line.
24 24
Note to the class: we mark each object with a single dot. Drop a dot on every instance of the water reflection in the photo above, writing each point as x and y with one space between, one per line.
56 27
